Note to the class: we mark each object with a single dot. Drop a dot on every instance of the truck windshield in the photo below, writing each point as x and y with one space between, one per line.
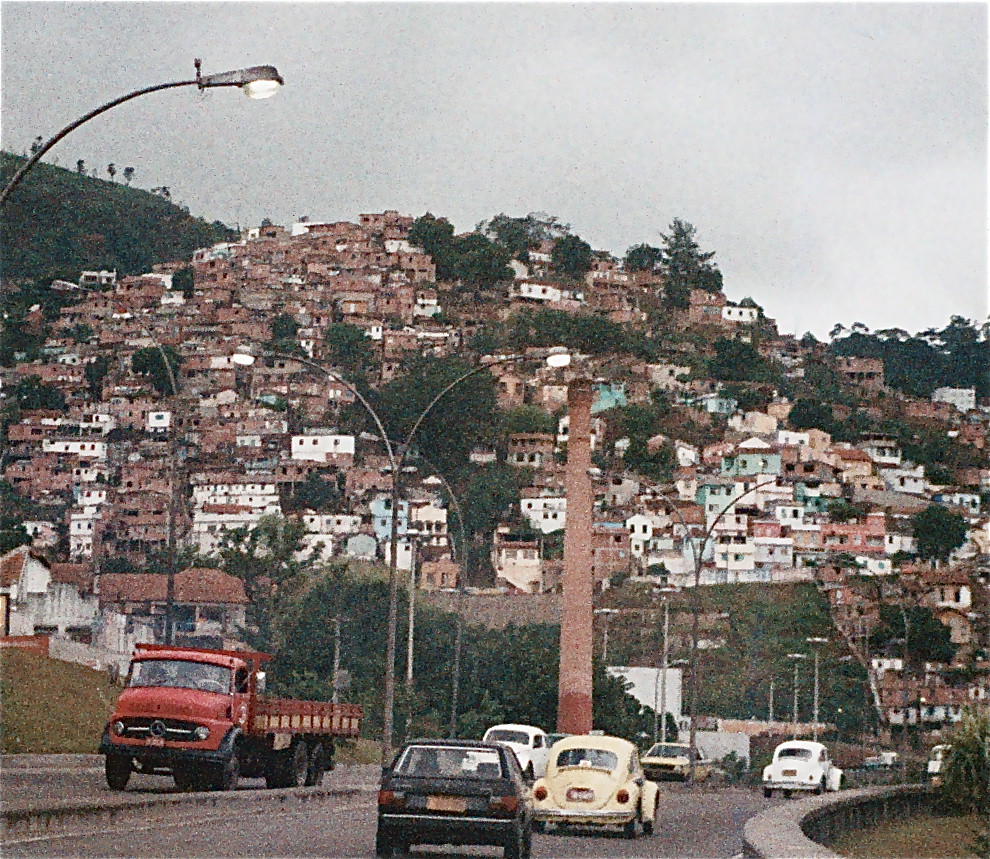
180 673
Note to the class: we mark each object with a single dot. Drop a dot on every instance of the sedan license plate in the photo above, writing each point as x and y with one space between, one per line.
580 794
791 773
156 741
456 804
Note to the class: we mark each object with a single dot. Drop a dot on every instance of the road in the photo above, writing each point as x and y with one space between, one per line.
703 824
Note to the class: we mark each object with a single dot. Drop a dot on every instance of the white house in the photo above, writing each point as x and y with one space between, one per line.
907 478
962 399
83 448
324 447
740 314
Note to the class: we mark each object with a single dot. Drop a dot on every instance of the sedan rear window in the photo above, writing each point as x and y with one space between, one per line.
597 758
501 735
800 754
449 762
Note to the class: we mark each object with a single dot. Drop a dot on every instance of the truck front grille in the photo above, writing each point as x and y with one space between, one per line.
166 729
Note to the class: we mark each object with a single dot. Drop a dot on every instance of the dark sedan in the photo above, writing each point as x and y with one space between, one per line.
453 792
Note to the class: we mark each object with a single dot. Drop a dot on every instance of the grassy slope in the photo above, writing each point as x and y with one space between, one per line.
916 838
51 706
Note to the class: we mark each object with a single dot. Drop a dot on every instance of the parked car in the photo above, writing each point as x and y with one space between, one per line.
595 780
936 762
530 745
801 765
454 792
882 761
672 762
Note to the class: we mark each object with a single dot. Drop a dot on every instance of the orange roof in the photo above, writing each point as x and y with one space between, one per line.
195 585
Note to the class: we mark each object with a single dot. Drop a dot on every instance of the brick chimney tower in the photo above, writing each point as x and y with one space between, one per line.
574 692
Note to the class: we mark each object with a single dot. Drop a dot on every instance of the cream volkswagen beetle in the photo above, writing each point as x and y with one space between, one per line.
595 780
801 765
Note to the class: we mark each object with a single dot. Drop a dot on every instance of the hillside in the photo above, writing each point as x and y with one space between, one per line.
58 222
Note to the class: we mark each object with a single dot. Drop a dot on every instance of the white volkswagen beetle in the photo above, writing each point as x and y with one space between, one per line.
530 745
801 765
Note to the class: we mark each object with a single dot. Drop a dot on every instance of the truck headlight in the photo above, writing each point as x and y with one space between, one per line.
118 728
201 733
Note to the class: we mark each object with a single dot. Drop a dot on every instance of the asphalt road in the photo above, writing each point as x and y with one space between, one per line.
707 823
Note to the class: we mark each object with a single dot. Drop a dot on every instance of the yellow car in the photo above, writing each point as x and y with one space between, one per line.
672 762
595 780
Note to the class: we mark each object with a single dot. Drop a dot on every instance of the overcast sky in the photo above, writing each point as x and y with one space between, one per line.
834 156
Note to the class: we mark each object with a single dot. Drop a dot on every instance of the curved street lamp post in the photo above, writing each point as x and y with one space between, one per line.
244 356
256 82
697 552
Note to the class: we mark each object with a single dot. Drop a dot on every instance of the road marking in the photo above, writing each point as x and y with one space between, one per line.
197 820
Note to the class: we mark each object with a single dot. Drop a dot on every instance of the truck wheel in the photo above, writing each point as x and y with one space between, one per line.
227 774
118 771
288 768
299 765
317 766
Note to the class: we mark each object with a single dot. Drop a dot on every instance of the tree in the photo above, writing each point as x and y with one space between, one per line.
966 772
642 258
346 346
111 170
480 262
284 327
128 174
938 532
32 393
184 281
520 235
95 372
436 237
318 493
811 414
149 362
81 167
528 419
737 361
37 145
572 256
928 639
268 559
685 266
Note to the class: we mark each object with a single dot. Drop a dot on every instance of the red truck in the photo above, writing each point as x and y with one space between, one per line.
200 715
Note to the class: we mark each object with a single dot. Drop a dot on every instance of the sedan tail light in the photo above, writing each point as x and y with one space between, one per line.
504 805
391 799
540 793
622 796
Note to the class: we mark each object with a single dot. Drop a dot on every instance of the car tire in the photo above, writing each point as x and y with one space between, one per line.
767 792
787 794
820 787
118 771
539 826
629 830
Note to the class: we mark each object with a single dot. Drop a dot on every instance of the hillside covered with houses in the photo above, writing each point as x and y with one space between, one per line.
726 451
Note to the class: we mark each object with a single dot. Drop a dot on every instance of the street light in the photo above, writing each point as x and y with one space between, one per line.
797 657
256 82
815 642
698 552
606 613
246 356
664 592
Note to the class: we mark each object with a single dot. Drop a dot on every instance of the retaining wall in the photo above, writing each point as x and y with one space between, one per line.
803 829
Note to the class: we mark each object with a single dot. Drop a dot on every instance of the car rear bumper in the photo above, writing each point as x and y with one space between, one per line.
664 775
788 784
445 829
581 817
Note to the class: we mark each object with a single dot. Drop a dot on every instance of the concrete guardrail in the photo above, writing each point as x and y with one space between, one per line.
803 829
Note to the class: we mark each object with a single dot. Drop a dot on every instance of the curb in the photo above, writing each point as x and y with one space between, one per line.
74 817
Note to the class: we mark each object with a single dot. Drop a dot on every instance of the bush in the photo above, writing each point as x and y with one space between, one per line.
966 780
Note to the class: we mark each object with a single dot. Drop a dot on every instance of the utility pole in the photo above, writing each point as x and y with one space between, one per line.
771 700
336 658
796 657
816 642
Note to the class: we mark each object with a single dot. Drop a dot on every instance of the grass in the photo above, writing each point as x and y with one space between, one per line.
922 837
52 707
55 707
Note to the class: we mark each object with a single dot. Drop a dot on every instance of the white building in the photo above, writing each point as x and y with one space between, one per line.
323 447
546 513
962 399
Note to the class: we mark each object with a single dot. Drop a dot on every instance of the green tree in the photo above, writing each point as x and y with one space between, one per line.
811 414
966 777
32 393
528 419
480 262
436 237
938 532
317 492
642 258
150 362
267 559
95 372
928 639
571 256
349 348
737 361
519 235
685 266
284 327
184 281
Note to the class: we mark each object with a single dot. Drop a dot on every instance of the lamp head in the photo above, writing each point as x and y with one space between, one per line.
256 81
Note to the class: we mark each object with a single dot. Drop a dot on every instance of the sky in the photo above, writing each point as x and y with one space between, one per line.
833 156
